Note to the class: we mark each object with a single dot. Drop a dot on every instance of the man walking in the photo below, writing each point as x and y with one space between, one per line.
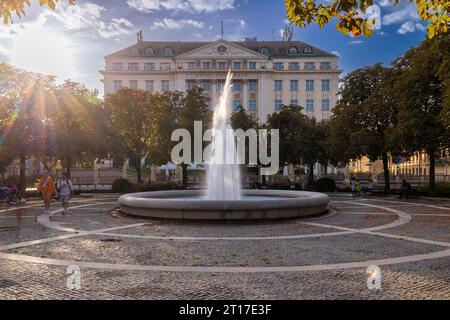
47 189
64 187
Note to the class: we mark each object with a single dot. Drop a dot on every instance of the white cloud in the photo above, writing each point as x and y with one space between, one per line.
337 53
406 14
89 15
242 23
356 42
410 26
4 53
171 24
207 6
384 3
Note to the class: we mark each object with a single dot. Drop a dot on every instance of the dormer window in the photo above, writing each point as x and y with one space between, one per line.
134 51
149 52
222 49
308 50
293 50
168 52
264 51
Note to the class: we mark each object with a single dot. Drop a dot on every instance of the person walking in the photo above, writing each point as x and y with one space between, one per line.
405 189
46 189
358 188
353 186
64 186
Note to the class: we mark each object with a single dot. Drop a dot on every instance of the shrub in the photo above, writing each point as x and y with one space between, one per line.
442 188
162 186
122 186
325 185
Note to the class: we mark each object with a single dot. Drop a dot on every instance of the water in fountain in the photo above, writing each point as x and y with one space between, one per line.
224 180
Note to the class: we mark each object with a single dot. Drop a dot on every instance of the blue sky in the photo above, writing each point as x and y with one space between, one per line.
72 41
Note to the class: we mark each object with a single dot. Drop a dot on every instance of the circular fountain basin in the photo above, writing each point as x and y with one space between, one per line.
255 204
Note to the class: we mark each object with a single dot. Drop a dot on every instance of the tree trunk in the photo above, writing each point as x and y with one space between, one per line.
311 172
22 175
184 173
432 181
387 181
68 167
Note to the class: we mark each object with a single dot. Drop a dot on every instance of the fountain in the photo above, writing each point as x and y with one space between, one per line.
224 199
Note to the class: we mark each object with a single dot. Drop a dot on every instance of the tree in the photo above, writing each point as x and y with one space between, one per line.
132 125
76 131
28 124
420 90
301 139
240 119
305 12
8 7
365 117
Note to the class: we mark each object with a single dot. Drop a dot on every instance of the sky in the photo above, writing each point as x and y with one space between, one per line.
71 41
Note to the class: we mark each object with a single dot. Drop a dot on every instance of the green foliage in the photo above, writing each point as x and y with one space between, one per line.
122 186
442 188
240 119
325 185
304 12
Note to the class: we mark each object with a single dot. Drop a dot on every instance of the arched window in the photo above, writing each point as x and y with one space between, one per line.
308 50
264 51
134 51
222 49
168 51
149 52
293 50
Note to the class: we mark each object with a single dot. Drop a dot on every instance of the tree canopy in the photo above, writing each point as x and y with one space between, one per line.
10 7
350 20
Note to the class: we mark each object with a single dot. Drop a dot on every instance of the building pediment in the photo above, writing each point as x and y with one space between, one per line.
221 49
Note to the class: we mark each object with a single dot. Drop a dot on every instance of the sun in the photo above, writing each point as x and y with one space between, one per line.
43 50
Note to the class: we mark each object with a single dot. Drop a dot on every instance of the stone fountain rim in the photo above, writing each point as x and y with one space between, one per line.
161 200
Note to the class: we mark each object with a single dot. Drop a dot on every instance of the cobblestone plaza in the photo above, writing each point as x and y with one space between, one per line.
325 257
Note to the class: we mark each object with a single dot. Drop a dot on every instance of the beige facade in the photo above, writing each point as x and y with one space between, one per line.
267 74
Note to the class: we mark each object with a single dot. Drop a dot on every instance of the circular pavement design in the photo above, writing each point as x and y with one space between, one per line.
402 218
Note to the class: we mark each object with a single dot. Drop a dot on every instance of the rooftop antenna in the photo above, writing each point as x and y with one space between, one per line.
140 36
273 34
288 33
221 30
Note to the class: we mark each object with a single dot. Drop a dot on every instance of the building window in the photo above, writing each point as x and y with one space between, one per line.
264 51
190 84
308 50
222 49
134 51
117 66
252 105
149 52
294 102
168 51
206 85
165 85
277 66
206 66
220 85
133 84
310 105
252 85
236 104
309 85
117 85
325 85
191 65
278 104
293 66
325 66
326 105
149 85
237 66
278 85
222 65
133 66
294 85
252 65
293 50
149 67
165 66
310 65
237 86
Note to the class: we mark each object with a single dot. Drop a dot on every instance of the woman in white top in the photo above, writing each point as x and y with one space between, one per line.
64 187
